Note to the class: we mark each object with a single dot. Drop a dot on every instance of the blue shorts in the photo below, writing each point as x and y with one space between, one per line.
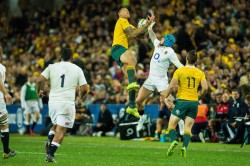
164 113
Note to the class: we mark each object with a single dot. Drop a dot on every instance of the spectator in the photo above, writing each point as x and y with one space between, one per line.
83 119
89 32
237 108
105 121
220 116
163 117
239 136
200 124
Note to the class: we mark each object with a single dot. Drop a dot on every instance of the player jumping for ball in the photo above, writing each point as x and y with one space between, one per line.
162 57
124 56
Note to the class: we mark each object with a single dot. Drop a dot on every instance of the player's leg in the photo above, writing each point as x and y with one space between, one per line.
57 140
173 121
159 126
36 116
187 135
51 135
63 115
189 122
142 95
4 127
53 113
27 118
129 61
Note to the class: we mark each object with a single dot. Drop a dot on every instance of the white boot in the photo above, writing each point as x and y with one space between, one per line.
181 127
142 120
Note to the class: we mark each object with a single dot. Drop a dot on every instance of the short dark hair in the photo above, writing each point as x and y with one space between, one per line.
67 54
192 57
121 8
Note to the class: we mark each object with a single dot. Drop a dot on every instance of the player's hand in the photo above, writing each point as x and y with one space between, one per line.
41 94
150 27
8 98
150 19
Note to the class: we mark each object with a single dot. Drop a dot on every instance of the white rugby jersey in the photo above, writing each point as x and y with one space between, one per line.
64 77
2 71
161 59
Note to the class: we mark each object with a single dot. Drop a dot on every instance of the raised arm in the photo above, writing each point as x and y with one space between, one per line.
151 33
136 32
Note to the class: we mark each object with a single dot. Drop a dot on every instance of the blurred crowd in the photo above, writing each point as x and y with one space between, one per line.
218 29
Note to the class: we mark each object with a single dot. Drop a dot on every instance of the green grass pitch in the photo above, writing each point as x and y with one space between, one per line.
78 151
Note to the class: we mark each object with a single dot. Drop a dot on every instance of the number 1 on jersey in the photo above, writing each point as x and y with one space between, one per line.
62 82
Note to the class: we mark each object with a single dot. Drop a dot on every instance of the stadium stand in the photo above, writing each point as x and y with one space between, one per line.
33 37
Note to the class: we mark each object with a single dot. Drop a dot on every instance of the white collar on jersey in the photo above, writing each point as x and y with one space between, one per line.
190 66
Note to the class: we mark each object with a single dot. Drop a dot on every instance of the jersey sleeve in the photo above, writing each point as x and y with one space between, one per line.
82 79
46 72
203 76
156 42
133 27
174 59
125 24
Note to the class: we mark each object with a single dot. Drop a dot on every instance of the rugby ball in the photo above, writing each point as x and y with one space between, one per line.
141 23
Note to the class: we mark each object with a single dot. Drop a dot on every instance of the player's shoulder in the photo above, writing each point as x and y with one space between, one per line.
170 51
180 69
122 21
199 72
73 67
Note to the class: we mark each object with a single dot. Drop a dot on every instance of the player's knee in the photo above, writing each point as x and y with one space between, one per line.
131 59
138 101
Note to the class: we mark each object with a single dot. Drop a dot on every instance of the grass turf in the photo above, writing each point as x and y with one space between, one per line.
77 151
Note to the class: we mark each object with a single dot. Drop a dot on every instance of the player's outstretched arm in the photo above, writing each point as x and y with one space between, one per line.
136 32
151 33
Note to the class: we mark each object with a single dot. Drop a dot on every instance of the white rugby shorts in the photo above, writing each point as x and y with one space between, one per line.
62 114
158 83
31 107
3 109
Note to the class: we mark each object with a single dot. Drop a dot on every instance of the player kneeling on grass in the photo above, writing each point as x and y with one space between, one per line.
4 98
64 78
188 79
